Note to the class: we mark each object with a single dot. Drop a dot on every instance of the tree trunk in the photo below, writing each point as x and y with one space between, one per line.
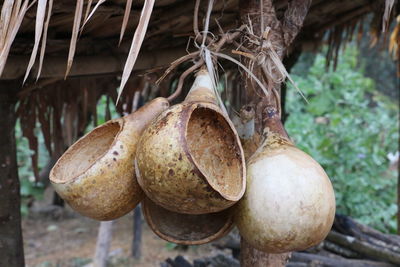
250 256
274 36
11 245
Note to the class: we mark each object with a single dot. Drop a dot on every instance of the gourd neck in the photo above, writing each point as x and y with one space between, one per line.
202 91
273 127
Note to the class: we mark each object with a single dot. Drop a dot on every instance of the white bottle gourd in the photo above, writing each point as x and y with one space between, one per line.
289 203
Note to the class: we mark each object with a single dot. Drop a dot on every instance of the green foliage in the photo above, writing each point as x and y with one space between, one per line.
29 190
349 128
170 246
101 112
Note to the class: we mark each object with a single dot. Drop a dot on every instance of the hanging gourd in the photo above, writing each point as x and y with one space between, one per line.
96 175
190 160
289 202
187 229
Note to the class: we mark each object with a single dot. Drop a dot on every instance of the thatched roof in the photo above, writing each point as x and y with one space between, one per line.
167 35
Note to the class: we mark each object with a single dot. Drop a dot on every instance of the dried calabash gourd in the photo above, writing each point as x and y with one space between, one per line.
190 160
289 202
187 229
96 175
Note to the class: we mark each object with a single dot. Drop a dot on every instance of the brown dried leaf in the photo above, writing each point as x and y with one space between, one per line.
91 13
15 23
74 37
244 68
14 16
5 18
40 16
125 20
136 43
386 16
44 38
89 4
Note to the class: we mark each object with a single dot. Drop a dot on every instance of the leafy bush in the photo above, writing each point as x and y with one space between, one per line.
29 190
349 128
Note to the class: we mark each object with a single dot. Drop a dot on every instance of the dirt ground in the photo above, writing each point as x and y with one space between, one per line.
63 238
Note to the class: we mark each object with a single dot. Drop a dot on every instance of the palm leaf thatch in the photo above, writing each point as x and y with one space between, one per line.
13 13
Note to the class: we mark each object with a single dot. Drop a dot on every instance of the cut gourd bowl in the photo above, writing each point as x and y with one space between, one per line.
190 160
96 175
187 229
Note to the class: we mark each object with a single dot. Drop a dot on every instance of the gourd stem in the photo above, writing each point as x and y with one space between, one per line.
272 121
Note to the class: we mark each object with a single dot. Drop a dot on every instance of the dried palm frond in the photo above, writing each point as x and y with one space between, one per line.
136 43
44 38
40 17
88 6
5 18
86 19
386 16
13 13
125 19
74 37
16 13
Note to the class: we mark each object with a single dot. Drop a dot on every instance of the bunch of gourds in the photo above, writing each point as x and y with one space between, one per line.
186 165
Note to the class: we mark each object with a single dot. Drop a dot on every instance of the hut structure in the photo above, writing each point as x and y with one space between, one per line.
58 57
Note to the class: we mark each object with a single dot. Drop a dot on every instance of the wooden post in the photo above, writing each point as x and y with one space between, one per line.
11 245
103 244
258 15
137 233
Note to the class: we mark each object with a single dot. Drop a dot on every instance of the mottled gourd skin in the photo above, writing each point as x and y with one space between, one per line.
168 173
102 185
190 159
289 203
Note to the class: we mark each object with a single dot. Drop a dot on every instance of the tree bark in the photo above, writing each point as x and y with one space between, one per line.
274 37
250 256
11 245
